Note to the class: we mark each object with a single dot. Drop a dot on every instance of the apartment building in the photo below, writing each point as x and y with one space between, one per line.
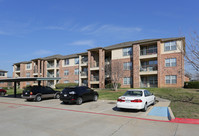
143 63
3 75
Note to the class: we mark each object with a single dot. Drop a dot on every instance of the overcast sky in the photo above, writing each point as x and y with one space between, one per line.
38 28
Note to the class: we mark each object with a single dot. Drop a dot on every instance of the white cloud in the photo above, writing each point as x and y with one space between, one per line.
42 52
89 43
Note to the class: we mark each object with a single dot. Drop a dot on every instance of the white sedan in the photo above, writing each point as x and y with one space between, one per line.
136 99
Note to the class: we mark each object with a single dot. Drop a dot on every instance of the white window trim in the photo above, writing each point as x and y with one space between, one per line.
170 79
170 64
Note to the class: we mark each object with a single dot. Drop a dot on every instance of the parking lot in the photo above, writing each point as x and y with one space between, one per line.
101 118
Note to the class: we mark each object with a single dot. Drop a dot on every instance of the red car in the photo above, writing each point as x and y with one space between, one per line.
3 92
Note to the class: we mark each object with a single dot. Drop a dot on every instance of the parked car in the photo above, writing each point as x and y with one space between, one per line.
78 95
3 92
136 99
37 93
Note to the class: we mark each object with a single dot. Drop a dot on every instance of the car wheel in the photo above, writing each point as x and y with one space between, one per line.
145 107
38 98
57 96
79 101
3 93
95 98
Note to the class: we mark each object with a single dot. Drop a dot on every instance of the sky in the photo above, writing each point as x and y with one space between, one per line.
38 28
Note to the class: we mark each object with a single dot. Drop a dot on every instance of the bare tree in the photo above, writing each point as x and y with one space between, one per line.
191 51
115 71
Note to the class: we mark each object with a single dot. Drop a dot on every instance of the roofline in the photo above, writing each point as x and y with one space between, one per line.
131 43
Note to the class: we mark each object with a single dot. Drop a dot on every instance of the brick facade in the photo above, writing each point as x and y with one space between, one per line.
96 65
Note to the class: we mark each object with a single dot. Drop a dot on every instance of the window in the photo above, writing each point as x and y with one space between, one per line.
2 73
172 79
127 66
127 51
27 74
171 62
76 81
170 46
66 72
66 62
28 66
66 81
76 71
76 60
127 81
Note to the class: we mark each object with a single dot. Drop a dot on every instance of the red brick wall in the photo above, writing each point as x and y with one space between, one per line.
4 84
71 77
136 66
178 70
118 64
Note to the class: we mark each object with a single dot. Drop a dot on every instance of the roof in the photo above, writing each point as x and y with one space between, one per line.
111 47
3 70
57 56
130 43
28 79
70 56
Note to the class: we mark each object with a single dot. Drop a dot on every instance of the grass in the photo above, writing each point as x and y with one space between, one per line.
184 102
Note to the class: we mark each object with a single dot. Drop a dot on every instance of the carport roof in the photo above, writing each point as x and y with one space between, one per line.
29 79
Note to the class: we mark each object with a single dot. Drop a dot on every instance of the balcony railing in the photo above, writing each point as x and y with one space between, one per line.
84 73
84 62
95 65
94 78
148 84
50 75
50 65
35 70
148 51
17 69
148 68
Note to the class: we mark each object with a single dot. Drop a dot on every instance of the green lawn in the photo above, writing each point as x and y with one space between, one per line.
184 102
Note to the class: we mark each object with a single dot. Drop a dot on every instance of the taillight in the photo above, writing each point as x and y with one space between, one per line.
120 100
136 100
30 93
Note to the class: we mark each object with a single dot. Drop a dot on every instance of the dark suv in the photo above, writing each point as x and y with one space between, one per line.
37 93
78 95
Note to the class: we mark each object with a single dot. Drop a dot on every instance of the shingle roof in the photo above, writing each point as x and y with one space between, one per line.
3 70
57 56
130 43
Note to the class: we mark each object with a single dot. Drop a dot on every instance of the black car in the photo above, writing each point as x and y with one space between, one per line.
37 93
78 95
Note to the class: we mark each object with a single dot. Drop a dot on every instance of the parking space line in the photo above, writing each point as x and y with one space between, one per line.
96 113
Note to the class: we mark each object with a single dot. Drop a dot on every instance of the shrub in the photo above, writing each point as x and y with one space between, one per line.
5 88
64 85
110 85
192 84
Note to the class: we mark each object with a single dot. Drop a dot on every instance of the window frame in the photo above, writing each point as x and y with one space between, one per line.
76 61
127 51
127 66
76 71
128 81
169 46
66 62
169 63
170 78
66 72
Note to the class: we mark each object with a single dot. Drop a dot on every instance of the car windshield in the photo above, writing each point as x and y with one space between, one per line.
133 93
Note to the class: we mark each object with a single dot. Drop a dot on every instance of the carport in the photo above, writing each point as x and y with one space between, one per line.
23 79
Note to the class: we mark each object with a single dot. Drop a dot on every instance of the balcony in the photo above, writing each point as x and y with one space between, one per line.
50 65
148 69
148 53
148 84
50 75
94 66
17 69
94 80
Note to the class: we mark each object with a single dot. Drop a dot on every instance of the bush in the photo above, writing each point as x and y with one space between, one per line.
64 85
5 88
192 84
110 85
